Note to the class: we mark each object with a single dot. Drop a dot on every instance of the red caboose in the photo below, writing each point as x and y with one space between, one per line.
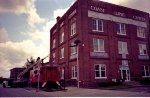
50 74
47 74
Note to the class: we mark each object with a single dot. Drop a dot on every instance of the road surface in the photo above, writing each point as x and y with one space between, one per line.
18 92
76 92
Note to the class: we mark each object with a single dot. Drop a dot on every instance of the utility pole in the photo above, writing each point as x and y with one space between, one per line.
39 69
38 77
76 42
78 67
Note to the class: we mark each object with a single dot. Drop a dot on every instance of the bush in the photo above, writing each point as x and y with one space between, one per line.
145 81
109 83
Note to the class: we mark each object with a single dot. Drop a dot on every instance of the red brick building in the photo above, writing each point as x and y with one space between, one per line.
15 72
114 43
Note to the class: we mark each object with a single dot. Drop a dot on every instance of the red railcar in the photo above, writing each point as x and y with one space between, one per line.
47 74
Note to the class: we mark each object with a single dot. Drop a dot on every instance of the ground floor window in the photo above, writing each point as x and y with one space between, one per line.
145 71
62 73
74 72
100 71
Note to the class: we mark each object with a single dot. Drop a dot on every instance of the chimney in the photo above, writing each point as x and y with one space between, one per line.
58 18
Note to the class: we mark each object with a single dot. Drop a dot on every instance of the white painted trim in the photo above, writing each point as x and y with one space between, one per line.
99 51
127 74
73 77
116 19
100 77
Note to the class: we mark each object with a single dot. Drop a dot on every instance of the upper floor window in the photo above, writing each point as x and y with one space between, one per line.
145 71
54 43
62 53
98 45
122 47
100 71
97 25
53 57
121 29
74 72
141 32
62 37
142 49
73 26
125 62
73 49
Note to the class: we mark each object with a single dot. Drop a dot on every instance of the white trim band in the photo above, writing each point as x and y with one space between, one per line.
116 19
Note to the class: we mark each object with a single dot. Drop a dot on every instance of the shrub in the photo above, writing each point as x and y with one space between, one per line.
109 83
145 81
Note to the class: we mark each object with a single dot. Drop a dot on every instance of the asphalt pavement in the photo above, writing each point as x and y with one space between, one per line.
18 92
76 92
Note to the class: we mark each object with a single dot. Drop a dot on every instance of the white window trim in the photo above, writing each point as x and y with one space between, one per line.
142 49
73 77
73 27
62 53
73 71
125 62
99 51
54 56
99 45
62 38
54 43
120 30
97 25
100 72
72 53
100 77
139 29
145 71
62 73
123 50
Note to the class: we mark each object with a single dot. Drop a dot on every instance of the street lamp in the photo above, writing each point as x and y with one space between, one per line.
76 42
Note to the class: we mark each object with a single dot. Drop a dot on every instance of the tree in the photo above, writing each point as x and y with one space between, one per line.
1 79
29 62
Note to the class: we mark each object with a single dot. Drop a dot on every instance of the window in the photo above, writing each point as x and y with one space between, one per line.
98 45
142 49
62 73
73 26
141 32
54 43
145 71
122 47
73 49
100 71
97 25
53 57
62 37
74 72
121 30
125 62
62 53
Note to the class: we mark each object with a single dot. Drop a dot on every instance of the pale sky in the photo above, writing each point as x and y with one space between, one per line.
25 25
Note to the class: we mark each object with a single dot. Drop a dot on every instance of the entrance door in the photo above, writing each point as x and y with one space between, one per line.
125 74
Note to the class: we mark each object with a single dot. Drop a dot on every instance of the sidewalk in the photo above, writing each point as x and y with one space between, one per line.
112 91
119 87
85 92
